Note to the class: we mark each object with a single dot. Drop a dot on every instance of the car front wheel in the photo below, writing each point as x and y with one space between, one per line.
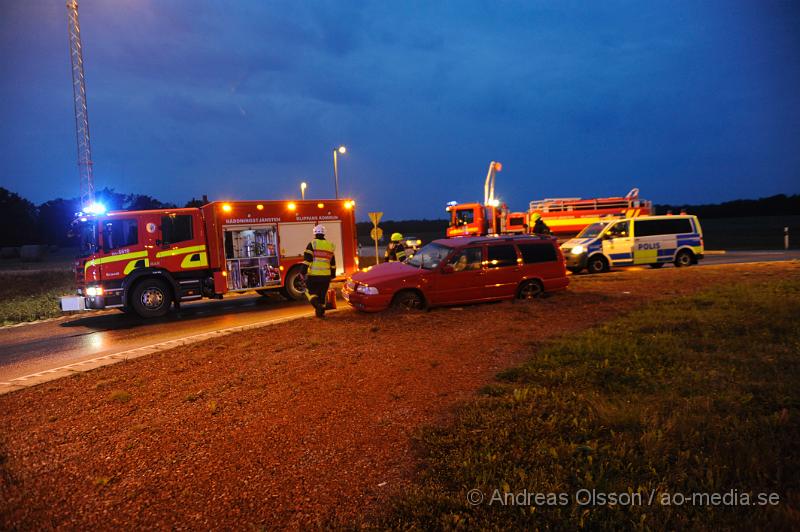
408 300
597 264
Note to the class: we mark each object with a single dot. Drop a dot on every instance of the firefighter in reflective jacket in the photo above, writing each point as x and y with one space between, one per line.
319 267
539 227
395 251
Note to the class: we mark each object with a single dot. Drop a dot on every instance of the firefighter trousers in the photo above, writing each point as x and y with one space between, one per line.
316 290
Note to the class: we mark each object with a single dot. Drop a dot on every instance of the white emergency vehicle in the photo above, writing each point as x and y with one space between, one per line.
653 240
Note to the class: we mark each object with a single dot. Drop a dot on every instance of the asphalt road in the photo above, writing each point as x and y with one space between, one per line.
37 347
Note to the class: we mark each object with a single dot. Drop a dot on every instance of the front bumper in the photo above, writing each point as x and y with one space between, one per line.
364 302
575 261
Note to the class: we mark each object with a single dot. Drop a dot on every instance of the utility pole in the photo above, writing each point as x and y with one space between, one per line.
79 101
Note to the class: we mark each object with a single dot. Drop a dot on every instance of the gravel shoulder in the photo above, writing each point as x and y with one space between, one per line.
295 425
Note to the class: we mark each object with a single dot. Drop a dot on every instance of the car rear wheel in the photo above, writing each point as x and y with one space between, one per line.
408 300
597 264
151 298
531 289
684 258
294 287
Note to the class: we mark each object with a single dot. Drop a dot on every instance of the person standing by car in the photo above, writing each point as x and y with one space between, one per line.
319 267
395 251
539 227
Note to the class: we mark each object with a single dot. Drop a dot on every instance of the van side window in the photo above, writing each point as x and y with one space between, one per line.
663 227
533 253
619 230
176 228
120 233
467 260
500 256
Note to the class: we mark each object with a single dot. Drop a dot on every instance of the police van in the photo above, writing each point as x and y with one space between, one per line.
653 240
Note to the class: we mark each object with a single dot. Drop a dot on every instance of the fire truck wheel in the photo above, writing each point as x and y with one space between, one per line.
684 258
151 298
294 287
597 264
530 289
408 300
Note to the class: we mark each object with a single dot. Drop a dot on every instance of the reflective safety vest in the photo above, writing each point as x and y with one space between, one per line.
323 254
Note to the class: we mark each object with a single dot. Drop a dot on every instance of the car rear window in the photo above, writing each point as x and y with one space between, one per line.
500 256
533 253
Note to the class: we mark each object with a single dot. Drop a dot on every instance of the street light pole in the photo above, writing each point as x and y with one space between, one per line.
336 152
303 189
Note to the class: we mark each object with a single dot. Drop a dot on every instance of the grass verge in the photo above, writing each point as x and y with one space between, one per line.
691 397
32 296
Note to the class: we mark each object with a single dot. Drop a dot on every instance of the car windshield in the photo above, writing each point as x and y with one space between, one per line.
591 231
87 230
429 256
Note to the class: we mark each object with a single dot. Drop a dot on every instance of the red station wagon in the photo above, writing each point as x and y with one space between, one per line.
462 270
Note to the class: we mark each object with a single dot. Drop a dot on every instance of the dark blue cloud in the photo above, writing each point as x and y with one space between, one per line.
689 101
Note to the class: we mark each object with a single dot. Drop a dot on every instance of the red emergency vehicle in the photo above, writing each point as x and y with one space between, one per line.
565 217
144 261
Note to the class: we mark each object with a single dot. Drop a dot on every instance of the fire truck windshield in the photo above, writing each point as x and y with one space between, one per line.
591 231
429 256
463 217
88 235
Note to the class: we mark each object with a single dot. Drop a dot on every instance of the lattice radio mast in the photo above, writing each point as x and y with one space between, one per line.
79 100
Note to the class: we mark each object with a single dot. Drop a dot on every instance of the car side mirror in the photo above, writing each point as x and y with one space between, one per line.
448 268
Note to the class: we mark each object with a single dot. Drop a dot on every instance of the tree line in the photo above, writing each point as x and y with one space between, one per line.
23 222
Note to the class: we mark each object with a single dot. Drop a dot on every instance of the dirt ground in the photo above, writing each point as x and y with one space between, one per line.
295 425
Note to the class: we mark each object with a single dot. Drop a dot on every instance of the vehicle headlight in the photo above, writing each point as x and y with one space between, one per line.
93 291
367 290
577 250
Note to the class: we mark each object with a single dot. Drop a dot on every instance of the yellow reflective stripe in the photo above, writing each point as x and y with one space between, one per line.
114 258
132 265
187 261
180 251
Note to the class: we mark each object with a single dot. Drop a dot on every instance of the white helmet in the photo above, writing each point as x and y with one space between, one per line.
319 229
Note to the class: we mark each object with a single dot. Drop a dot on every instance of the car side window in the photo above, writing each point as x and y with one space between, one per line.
533 253
620 230
502 256
468 259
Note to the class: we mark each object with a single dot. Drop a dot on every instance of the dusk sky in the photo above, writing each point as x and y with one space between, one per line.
691 101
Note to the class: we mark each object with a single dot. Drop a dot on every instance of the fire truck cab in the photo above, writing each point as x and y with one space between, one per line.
144 261
476 219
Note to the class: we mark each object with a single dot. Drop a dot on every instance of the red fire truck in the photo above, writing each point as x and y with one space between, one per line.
566 217
144 261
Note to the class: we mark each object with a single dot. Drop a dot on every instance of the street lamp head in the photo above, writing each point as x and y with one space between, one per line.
303 185
341 149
